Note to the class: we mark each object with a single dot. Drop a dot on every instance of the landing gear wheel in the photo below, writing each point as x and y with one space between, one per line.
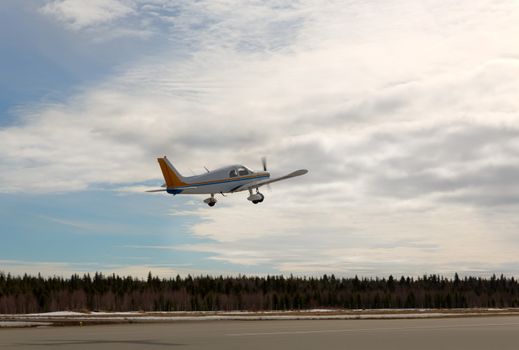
255 197
211 201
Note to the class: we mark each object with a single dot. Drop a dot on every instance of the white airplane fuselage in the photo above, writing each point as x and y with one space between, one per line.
218 181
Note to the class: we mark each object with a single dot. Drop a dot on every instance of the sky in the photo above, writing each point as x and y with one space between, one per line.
404 112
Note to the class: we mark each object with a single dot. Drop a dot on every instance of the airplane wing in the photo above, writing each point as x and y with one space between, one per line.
256 184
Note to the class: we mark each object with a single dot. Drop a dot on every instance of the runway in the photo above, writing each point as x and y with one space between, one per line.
448 333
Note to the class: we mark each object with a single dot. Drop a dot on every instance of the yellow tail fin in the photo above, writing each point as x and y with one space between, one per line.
171 175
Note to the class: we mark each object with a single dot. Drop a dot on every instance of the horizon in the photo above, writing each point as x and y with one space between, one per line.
291 276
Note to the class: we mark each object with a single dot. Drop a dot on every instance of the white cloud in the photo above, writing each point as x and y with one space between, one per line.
404 112
361 237
80 14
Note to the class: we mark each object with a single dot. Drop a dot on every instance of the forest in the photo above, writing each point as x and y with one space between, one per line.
98 292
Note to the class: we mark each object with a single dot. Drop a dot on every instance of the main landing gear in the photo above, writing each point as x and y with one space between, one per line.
211 201
255 197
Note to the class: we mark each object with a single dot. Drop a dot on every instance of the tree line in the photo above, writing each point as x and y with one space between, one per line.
30 294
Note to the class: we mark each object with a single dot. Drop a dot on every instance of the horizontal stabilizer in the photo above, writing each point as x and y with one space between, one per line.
159 190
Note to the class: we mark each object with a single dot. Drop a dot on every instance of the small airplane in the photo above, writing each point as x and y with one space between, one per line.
229 179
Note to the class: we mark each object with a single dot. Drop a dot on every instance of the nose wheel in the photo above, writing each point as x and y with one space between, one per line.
256 197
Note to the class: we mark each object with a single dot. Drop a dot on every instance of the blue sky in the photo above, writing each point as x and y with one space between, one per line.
97 230
404 112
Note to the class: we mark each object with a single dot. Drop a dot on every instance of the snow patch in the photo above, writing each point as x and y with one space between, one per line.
58 313
17 324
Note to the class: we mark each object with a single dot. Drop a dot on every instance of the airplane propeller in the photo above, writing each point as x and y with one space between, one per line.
264 163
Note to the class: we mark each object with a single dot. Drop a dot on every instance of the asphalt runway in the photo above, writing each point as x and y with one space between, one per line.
417 334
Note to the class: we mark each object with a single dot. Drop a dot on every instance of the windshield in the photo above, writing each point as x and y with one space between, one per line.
243 171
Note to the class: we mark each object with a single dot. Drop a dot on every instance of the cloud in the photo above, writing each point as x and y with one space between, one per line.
449 159
405 114
360 239
81 14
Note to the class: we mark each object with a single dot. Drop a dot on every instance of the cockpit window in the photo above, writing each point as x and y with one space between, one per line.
233 173
243 171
